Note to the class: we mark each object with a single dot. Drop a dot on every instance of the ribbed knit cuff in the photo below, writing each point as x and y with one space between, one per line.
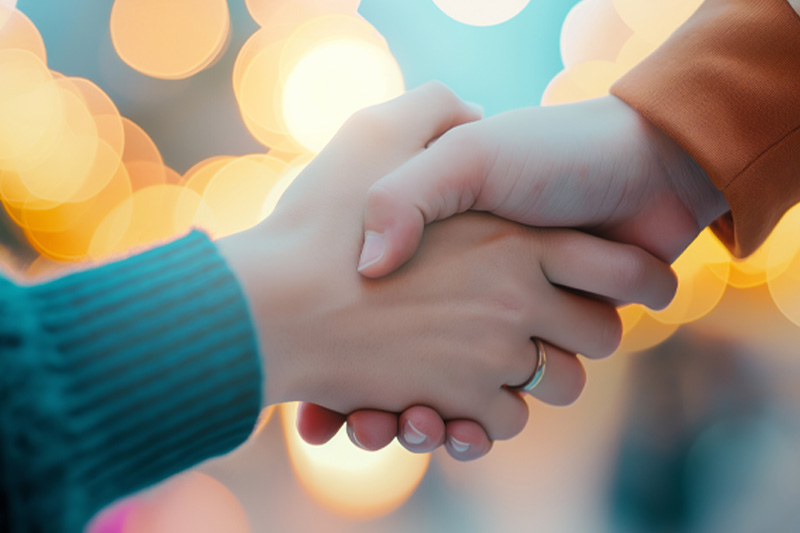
156 364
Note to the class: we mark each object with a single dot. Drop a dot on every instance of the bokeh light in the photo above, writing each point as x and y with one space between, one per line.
348 480
641 331
170 39
65 232
236 193
703 270
189 503
18 32
784 243
633 51
291 12
655 20
481 12
30 108
592 31
590 79
264 418
150 215
287 177
200 174
82 182
783 265
332 82
296 86
751 271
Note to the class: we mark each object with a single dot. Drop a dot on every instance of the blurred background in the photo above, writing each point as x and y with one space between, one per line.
125 122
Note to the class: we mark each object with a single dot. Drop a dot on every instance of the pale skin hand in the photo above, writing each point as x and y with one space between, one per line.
597 165
453 326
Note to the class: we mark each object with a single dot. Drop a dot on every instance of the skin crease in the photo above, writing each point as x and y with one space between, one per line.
613 173
449 329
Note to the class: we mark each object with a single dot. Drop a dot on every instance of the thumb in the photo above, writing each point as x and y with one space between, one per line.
442 181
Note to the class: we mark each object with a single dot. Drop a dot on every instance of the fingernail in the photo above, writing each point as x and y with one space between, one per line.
458 446
477 108
352 435
412 435
372 251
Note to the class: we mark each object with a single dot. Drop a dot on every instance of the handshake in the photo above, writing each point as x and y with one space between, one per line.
434 334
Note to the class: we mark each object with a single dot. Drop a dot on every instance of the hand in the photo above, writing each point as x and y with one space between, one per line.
452 328
618 272
596 165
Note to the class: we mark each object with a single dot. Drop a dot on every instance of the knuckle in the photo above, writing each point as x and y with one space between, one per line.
443 93
463 140
369 123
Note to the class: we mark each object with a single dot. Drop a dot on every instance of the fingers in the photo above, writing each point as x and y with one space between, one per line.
371 429
443 180
415 118
564 376
420 429
620 272
393 223
466 440
316 424
578 324
508 414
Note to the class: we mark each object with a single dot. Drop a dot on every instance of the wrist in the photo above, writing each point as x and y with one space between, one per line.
691 183
683 199
268 261
242 255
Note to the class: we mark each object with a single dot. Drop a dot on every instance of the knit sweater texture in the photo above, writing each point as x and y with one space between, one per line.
114 378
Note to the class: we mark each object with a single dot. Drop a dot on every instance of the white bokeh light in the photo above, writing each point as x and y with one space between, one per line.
332 82
481 12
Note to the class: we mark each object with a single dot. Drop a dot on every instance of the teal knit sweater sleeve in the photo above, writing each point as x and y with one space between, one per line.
115 378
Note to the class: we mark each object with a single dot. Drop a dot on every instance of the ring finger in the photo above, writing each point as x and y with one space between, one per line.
563 378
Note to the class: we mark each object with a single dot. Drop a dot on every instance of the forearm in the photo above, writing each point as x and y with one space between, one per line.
118 377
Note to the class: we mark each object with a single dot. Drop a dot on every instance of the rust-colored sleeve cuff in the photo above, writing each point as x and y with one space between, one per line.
726 87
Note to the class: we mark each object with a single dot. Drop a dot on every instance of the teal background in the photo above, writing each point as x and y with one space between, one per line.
500 67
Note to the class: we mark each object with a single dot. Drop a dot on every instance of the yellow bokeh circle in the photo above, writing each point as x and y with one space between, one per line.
592 31
18 32
783 265
640 330
332 82
31 109
590 79
275 13
703 270
149 216
349 481
237 191
655 20
169 39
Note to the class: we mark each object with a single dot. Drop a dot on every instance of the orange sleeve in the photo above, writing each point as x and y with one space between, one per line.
726 87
